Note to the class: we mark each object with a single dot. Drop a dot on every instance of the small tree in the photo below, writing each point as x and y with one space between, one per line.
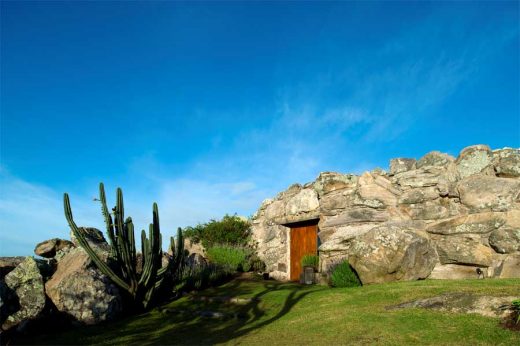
231 230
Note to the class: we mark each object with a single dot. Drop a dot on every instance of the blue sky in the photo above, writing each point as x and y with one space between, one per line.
209 108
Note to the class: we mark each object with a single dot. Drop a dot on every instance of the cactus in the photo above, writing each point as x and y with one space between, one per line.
141 288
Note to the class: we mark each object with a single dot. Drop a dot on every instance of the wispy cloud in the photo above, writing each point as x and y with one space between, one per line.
337 110
30 213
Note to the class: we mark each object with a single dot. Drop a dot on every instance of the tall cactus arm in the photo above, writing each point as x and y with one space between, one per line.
105 269
172 246
153 257
108 219
179 252
131 236
123 238
129 252
147 257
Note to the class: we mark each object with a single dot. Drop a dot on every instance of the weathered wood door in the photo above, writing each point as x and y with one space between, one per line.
304 241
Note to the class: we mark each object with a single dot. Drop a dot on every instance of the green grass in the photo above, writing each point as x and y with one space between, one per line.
290 314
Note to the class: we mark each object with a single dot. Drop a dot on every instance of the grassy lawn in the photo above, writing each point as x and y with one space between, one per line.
290 314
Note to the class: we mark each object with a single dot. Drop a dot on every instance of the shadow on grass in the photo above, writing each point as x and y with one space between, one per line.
185 322
207 317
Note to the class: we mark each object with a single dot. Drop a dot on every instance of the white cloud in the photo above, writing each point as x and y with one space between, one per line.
31 213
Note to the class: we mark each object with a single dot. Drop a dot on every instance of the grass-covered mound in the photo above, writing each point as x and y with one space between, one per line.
272 313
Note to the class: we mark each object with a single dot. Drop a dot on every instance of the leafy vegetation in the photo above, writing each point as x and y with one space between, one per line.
287 313
202 276
231 230
516 308
310 261
343 276
140 286
231 258
255 263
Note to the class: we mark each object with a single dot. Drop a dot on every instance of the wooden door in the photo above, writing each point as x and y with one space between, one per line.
304 241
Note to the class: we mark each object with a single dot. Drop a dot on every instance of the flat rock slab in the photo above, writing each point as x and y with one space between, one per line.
488 306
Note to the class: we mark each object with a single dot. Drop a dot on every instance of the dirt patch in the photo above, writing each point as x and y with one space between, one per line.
510 322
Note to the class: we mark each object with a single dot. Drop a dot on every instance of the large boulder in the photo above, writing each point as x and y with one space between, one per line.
415 196
464 251
433 210
435 158
427 176
48 248
390 253
95 239
400 165
26 293
507 162
480 192
275 209
480 223
369 189
79 289
457 272
330 181
510 267
338 238
332 202
7 264
355 215
475 159
303 202
505 240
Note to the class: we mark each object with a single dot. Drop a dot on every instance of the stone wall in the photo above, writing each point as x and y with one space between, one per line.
437 217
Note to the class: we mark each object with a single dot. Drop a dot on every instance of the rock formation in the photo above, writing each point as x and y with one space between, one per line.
23 296
437 217
66 276
79 289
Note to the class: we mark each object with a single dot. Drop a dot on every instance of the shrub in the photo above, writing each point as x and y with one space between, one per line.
202 276
256 264
310 261
516 309
343 276
230 258
230 230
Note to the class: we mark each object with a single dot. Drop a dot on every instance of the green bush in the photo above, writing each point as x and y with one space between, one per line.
516 308
343 276
256 264
199 277
230 258
310 261
230 230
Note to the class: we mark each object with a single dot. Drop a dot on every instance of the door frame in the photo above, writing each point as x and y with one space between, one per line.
290 226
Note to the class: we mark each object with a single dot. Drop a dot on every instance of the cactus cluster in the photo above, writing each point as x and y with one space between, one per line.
142 286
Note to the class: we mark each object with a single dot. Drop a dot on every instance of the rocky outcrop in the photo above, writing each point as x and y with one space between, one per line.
23 295
49 248
438 216
468 303
7 264
507 162
79 289
95 239
391 253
